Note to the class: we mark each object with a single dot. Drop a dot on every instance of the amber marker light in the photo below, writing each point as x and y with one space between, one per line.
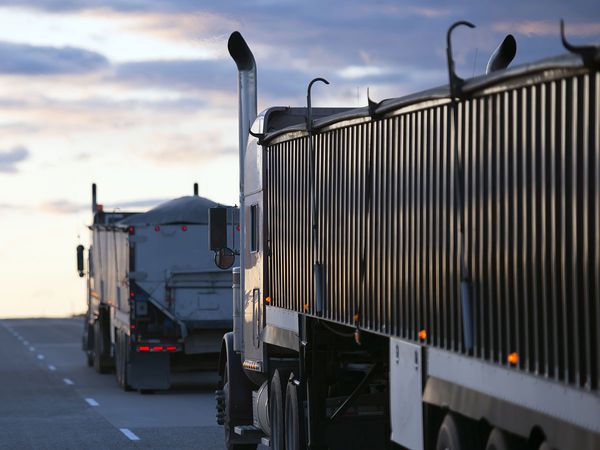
513 358
268 300
356 317
423 335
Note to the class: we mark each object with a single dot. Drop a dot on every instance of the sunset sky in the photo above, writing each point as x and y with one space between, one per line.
140 96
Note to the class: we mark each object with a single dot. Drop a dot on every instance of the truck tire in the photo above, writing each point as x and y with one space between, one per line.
99 365
121 360
293 440
226 423
276 409
452 434
499 440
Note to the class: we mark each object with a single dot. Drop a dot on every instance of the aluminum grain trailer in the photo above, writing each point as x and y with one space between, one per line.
423 272
156 301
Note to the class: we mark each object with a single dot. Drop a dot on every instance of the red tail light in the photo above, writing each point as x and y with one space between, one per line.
144 348
131 230
184 228
171 348
156 228
157 348
132 327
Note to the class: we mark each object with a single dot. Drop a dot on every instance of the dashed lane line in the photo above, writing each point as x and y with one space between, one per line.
40 357
32 349
130 434
51 367
92 402
68 382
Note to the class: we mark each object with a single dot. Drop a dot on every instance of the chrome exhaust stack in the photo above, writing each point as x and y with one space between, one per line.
247 91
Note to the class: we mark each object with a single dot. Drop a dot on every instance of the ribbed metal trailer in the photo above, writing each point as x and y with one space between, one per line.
424 271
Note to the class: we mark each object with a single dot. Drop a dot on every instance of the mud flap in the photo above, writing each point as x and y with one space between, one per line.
149 371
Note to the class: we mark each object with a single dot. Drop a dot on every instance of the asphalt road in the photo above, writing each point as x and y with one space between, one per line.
50 399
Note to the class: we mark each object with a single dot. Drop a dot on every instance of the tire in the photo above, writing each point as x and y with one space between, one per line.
499 440
276 409
89 354
99 365
452 434
544 446
226 423
293 439
121 360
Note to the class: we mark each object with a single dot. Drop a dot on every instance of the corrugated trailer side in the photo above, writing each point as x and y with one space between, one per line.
388 223
422 271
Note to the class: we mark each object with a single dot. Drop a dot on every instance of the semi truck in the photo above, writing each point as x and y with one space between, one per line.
422 272
156 302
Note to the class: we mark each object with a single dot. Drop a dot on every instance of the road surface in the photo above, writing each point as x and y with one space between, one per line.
50 399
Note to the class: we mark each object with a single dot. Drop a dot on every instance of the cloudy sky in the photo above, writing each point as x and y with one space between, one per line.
140 97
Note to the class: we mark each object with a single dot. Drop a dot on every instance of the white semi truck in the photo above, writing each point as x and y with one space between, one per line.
421 273
156 302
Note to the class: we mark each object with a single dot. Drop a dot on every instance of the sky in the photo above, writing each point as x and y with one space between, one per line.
140 96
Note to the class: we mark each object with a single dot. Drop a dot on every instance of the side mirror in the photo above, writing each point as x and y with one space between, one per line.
80 249
224 258
217 228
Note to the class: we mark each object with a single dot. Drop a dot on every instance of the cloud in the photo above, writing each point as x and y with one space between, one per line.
548 28
25 59
144 203
62 207
9 159
182 74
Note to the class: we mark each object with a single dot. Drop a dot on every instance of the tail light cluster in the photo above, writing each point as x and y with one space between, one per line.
157 348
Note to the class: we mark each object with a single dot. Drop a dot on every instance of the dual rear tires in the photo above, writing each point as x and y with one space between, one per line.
101 350
122 357
458 433
284 412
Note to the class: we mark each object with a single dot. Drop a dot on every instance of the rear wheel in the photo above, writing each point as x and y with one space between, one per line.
292 417
121 359
452 434
500 440
99 365
229 432
276 411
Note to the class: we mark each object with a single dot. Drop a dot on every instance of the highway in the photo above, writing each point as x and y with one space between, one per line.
50 399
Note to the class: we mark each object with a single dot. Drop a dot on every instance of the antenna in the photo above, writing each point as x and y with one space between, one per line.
196 189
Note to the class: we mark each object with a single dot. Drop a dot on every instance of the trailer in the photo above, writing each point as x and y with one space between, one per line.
156 302
422 272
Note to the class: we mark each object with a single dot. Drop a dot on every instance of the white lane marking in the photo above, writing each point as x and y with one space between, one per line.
40 357
51 367
25 342
92 402
130 434
31 349
68 382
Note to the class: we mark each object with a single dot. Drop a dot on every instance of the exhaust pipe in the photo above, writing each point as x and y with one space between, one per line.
244 60
94 202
